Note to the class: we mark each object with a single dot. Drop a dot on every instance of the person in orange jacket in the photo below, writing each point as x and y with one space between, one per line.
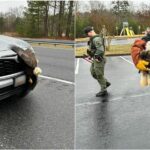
138 53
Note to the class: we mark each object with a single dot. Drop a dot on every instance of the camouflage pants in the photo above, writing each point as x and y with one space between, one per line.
97 71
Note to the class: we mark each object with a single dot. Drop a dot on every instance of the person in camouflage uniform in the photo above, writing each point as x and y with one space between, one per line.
96 52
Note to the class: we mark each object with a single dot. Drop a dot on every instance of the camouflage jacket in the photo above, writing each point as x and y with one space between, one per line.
96 45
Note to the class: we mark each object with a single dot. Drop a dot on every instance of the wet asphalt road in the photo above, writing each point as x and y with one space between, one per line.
45 118
122 121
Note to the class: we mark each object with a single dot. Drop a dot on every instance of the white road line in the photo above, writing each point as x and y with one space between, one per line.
77 66
56 79
112 100
126 60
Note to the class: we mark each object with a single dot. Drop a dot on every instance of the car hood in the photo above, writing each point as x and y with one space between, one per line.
6 42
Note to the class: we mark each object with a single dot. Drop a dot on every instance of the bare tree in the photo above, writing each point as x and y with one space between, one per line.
69 19
61 15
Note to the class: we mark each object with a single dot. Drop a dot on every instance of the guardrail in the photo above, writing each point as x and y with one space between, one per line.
115 45
111 37
110 40
51 42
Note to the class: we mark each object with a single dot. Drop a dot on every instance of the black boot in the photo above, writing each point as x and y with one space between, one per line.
101 93
108 84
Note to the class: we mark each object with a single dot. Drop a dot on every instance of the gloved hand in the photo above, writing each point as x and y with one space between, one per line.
98 58
142 65
89 53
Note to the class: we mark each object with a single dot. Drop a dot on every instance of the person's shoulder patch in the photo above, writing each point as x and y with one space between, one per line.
98 41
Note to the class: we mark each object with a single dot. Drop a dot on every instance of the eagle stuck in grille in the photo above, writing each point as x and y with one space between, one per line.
30 61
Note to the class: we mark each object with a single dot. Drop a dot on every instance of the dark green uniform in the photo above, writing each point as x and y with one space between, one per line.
96 48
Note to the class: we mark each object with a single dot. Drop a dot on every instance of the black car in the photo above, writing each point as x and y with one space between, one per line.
13 77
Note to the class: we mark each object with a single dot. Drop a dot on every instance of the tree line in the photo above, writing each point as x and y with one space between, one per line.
112 18
40 19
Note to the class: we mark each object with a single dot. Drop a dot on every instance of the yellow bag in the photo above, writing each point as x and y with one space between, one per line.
142 65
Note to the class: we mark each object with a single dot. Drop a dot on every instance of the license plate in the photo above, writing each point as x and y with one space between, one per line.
20 80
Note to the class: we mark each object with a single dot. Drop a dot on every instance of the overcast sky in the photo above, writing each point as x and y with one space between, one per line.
84 5
6 4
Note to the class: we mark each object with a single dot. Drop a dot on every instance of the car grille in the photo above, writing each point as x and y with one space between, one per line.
8 67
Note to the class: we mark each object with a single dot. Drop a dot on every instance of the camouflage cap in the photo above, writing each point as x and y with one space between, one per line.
88 29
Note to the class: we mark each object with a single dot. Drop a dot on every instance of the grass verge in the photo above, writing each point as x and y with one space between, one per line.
114 50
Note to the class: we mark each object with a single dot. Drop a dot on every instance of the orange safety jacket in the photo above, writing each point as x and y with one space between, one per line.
137 47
